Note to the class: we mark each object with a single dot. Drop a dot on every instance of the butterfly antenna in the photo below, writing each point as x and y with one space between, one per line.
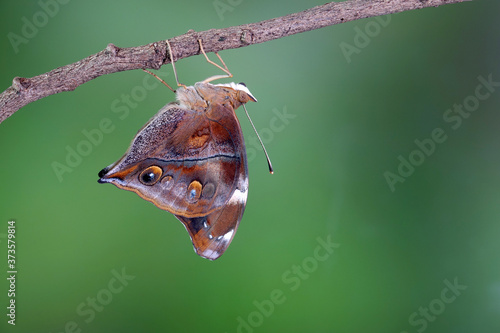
271 171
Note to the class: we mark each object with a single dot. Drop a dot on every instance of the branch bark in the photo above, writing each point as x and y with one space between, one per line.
154 55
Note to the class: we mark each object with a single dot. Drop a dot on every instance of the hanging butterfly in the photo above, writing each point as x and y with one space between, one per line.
190 160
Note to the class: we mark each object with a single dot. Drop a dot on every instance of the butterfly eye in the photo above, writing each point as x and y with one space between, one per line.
151 175
208 191
194 191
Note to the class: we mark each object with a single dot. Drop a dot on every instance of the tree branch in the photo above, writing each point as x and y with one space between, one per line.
114 59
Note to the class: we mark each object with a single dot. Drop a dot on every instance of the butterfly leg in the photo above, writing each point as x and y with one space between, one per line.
159 79
173 64
224 69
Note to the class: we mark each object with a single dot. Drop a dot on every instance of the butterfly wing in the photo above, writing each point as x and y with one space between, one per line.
192 166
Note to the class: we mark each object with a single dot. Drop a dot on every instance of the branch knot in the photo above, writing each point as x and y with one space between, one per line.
113 49
247 37
20 83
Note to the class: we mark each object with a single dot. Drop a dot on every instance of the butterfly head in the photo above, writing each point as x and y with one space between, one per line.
244 93
235 94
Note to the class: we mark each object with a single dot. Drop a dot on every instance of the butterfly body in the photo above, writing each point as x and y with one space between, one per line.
190 160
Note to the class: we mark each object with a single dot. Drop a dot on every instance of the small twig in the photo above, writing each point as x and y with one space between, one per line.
114 59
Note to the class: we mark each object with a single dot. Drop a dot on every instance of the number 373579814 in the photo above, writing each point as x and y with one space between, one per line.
11 245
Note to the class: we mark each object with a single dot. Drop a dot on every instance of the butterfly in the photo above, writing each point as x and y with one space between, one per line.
190 160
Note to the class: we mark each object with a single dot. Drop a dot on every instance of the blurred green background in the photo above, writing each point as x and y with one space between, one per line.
351 118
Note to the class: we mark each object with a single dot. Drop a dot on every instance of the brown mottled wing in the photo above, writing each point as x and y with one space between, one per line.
204 176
